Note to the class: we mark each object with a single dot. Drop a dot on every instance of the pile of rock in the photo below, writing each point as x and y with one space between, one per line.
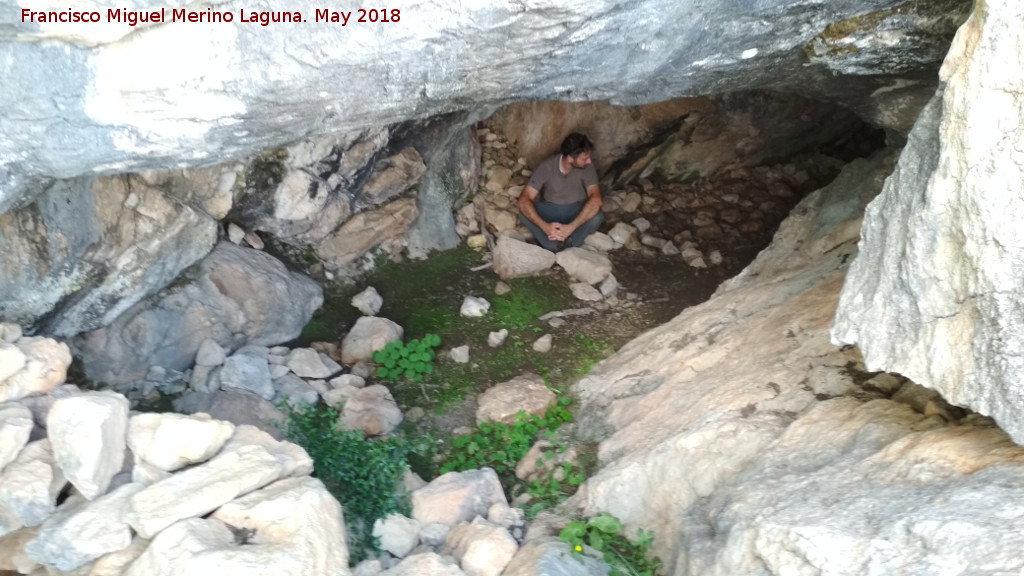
87 487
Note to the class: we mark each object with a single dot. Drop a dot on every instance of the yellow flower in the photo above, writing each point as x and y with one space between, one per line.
579 548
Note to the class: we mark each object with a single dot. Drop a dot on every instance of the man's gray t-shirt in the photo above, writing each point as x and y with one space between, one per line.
558 188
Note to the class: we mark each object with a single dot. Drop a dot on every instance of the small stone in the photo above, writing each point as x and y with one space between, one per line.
642 225
235 233
415 414
362 369
622 232
501 402
477 241
253 239
585 292
715 257
631 202
210 353
460 354
369 335
585 265
368 301
496 339
653 241
278 371
669 249
9 333
352 380
474 307
398 534
556 322
501 288
295 391
88 434
372 410
12 360
599 241
543 344
249 372
306 363
609 286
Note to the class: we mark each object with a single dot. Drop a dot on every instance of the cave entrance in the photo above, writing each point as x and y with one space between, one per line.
693 188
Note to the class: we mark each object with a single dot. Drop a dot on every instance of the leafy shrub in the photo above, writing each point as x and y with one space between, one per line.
410 360
604 534
501 446
364 475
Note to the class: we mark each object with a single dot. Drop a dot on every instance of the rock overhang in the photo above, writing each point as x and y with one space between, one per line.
116 98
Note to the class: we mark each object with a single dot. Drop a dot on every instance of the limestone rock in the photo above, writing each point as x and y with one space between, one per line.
585 265
235 233
501 288
393 176
29 487
88 434
609 287
117 563
398 534
505 516
187 547
15 428
12 552
642 225
368 301
501 402
621 233
240 296
352 380
435 534
294 522
210 353
474 307
9 333
368 335
552 556
295 390
934 277
715 257
238 469
366 230
170 441
235 407
599 241
542 344
45 365
585 292
460 354
92 247
428 564
12 360
306 363
247 371
496 339
81 532
372 410
481 547
515 259
339 394
457 497
466 222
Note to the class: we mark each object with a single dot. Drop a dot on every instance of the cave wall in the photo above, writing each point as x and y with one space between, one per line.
112 98
935 293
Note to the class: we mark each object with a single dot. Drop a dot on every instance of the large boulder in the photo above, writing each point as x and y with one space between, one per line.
170 441
935 292
238 296
514 258
368 335
88 435
457 497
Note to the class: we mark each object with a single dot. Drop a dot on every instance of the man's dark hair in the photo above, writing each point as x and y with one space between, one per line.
576 144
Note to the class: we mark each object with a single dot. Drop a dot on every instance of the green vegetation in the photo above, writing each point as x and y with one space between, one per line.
604 534
411 361
363 474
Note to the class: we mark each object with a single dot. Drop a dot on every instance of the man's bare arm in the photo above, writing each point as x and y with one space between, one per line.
590 208
527 209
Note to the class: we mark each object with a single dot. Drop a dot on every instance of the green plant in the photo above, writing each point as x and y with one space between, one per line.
501 446
410 360
363 474
604 534
549 491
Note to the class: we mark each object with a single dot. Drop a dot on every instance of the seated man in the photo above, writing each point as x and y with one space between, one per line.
561 204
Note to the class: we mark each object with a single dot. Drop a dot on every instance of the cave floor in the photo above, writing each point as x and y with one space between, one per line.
424 297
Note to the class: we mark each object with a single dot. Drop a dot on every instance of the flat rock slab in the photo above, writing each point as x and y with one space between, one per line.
525 392
515 259
82 531
306 363
457 497
585 265
170 441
